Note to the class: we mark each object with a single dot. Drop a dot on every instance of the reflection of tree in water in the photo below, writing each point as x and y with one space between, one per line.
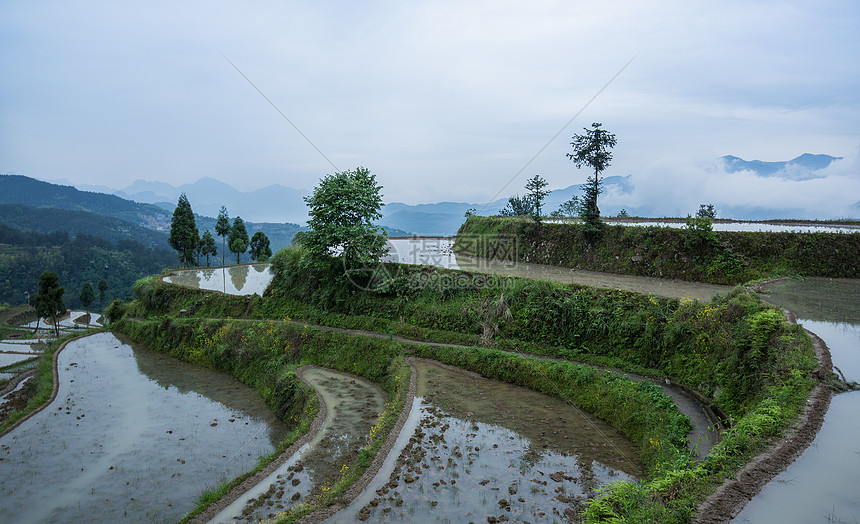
189 278
207 274
238 276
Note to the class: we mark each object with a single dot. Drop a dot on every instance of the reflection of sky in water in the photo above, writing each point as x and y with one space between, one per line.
823 485
422 251
234 280
65 322
7 359
133 436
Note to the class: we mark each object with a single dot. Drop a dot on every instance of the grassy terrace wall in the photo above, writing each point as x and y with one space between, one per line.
732 257
265 355
737 350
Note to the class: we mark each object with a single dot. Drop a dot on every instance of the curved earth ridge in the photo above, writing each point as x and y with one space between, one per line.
736 492
211 514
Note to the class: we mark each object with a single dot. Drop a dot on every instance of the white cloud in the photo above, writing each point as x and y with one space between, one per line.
444 100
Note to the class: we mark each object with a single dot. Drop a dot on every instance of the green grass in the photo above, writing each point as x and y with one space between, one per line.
736 350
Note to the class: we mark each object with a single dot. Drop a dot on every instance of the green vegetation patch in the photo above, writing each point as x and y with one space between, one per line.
694 253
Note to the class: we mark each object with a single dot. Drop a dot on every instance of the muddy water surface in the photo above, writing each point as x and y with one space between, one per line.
246 279
352 407
133 436
475 449
823 485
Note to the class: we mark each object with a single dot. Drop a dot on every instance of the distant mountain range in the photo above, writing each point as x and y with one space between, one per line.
804 167
271 206
274 203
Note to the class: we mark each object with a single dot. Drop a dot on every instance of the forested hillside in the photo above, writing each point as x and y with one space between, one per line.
17 189
24 255
49 220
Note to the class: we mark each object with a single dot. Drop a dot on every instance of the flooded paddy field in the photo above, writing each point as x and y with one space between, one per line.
352 407
823 484
437 251
132 436
9 359
245 279
480 450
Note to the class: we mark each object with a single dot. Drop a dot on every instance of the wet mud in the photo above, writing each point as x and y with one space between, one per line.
485 451
353 406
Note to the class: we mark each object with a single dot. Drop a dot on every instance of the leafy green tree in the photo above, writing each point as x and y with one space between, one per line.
342 210
537 193
87 296
222 229
571 208
103 287
48 300
238 238
593 149
260 250
518 206
207 246
183 232
706 211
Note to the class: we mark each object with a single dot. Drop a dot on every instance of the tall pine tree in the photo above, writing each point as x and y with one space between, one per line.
238 239
183 232
222 229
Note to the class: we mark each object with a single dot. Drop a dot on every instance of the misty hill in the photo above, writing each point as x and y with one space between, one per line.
18 189
444 218
272 204
49 220
799 168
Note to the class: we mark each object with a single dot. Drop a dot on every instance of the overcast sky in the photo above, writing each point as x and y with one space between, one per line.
443 100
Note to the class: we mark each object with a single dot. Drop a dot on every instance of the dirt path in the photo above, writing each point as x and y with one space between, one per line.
656 286
211 514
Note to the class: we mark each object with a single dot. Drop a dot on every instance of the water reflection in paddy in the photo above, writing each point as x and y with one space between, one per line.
132 436
823 484
246 279
475 448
